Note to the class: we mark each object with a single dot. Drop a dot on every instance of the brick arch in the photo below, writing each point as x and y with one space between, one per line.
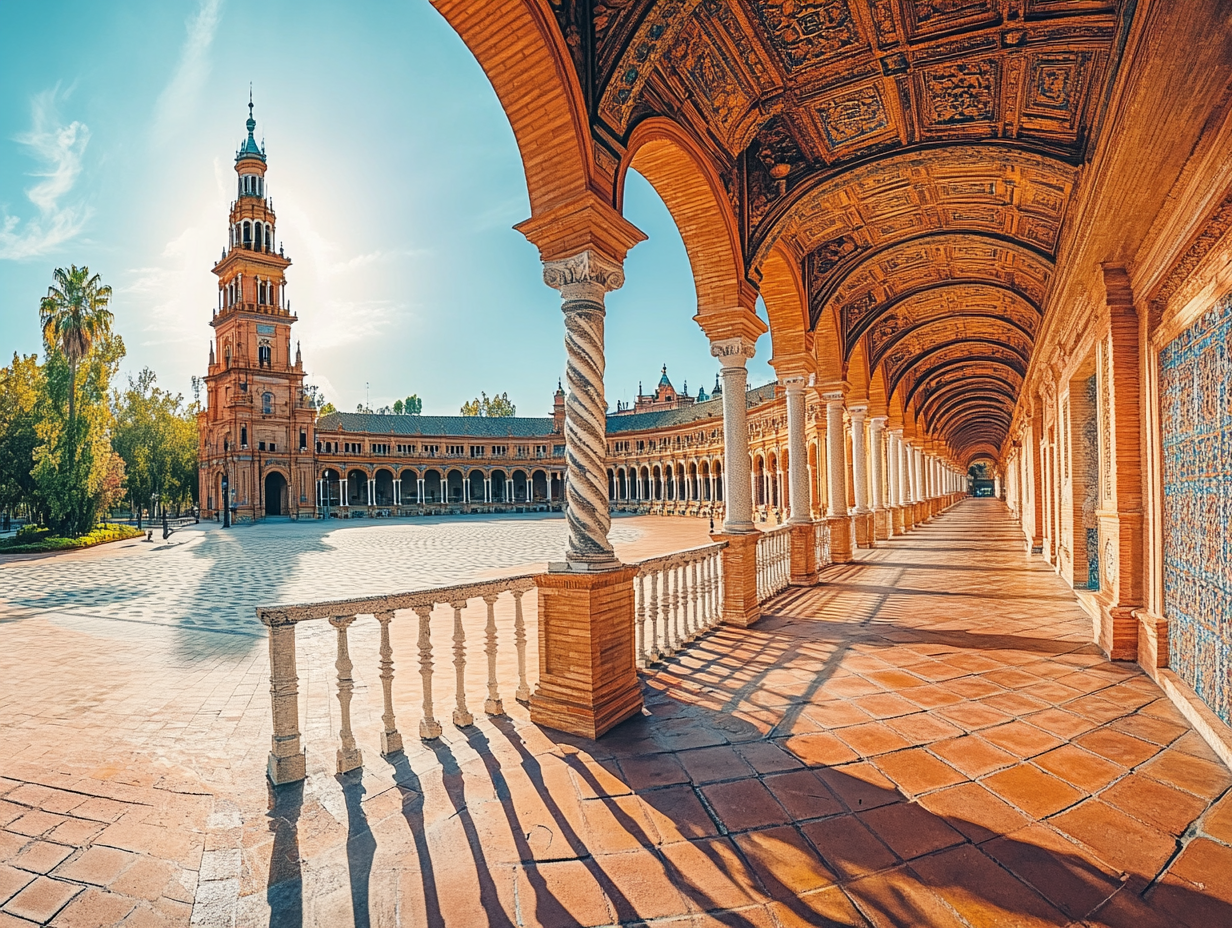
782 290
685 179
524 56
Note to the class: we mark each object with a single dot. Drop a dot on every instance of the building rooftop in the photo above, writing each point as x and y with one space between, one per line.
444 426
524 426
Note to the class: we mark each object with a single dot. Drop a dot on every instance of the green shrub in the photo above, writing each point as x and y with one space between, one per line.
41 541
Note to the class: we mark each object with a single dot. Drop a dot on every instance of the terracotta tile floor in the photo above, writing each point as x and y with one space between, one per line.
926 739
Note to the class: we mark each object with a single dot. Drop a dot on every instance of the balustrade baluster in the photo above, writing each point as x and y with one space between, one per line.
519 642
391 739
672 581
656 652
492 705
429 727
642 658
461 715
697 624
349 756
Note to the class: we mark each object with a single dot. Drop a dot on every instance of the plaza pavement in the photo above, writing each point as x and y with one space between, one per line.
925 739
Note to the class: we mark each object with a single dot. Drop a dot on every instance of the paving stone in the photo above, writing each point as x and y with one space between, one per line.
910 830
41 899
168 716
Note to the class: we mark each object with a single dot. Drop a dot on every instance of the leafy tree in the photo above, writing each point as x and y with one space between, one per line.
156 435
326 409
398 407
496 407
76 472
413 405
22 392
73 315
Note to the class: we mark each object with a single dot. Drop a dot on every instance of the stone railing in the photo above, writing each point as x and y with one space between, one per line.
287 762
773 562
678 597
821 544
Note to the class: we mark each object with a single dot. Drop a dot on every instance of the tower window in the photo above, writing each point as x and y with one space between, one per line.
243 436
263 356
303 440
247 234
267 401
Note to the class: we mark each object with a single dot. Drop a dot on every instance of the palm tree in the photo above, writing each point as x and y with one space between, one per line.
73 315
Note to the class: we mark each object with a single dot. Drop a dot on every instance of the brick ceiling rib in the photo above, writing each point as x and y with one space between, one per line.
916 157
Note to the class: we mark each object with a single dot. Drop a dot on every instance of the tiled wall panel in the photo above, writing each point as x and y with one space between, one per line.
1196 423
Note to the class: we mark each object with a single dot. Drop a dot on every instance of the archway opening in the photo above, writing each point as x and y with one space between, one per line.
275 494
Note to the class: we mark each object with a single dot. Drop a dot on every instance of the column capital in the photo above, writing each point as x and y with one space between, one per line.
878 422
833 396
588 275
795 383
733 352
858 411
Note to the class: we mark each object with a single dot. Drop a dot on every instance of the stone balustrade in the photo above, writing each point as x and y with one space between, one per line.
678 597
773 562
287 759
822 556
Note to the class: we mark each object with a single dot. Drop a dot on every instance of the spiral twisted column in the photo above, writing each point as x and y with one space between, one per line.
583 280
733 354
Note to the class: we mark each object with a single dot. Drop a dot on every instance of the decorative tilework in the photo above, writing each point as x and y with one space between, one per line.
1196 422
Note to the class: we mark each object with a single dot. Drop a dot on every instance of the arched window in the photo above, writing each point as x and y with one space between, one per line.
263 356
267 398
243 436
256 235
247 234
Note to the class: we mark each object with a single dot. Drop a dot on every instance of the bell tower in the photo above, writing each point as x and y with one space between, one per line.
256 429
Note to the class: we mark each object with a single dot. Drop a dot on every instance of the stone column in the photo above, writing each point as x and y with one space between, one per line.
733 354
740 601
803 549
836 471
877 459
797 452
587 676
859 475
583 280
342 484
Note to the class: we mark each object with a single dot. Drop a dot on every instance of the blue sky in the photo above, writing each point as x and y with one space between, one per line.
393 172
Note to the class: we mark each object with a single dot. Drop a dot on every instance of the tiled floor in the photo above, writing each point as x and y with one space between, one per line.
926 739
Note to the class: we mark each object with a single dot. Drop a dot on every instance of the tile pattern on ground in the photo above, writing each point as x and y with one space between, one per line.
927 739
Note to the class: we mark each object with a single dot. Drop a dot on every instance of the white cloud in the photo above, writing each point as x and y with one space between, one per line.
175 103
60 148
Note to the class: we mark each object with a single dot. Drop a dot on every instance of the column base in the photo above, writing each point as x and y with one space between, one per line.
289 769
1152 641
587 678
842 540
863 522
881 524
1118 632
740 603
803 555
898 520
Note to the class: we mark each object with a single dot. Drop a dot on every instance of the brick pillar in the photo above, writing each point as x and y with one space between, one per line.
587 676
1120 508
803 555
740 604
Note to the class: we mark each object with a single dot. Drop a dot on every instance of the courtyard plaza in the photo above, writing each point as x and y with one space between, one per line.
928 737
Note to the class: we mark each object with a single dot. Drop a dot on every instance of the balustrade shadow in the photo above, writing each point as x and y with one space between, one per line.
360 846
284 891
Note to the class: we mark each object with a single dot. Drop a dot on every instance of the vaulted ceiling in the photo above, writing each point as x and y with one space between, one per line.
915 157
